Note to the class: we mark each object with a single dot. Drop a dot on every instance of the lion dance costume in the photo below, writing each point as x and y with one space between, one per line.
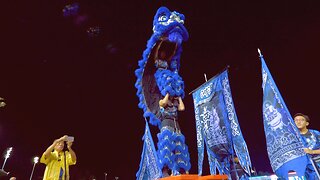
160 89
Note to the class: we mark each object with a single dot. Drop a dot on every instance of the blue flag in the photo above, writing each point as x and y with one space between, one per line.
217 126
284 144
149 169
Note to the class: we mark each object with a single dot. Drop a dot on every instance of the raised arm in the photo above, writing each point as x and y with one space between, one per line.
163 102
71 151
51 147
181 105
310 151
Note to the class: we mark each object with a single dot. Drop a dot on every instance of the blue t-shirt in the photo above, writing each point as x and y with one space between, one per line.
311 140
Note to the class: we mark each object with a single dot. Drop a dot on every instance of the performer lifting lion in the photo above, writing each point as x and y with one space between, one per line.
160 89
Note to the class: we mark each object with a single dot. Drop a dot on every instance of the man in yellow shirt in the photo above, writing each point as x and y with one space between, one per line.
58 161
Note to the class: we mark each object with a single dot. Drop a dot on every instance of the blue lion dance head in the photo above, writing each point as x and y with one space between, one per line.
158 70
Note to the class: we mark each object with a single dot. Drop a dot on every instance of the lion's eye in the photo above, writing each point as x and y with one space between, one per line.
162 18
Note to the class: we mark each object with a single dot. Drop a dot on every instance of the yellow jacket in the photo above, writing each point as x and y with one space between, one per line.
56 165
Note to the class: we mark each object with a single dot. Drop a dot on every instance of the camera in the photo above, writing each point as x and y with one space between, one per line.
70 139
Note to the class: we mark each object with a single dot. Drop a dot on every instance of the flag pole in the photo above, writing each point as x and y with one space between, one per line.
259 52
307 155
209 79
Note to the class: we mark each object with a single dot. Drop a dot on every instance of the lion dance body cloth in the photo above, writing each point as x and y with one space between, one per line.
160 89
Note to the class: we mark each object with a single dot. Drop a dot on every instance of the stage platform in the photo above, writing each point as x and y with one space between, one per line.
196 177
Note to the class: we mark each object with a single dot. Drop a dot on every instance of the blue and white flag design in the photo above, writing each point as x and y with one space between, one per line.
284 144
217 126
149 169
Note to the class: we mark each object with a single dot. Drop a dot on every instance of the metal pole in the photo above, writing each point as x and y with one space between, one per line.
4 162
7 156
34 165
205 77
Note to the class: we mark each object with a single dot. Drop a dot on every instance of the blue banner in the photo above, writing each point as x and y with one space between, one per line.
217 126
149 169
284 144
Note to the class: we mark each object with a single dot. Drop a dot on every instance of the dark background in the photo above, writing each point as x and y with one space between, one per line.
59 79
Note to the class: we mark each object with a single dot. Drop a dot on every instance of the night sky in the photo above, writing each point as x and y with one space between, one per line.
57 78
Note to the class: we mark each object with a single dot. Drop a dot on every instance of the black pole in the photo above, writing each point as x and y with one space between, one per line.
65 166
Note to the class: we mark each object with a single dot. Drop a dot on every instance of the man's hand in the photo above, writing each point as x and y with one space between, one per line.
163 102
308 151
69 144
63 138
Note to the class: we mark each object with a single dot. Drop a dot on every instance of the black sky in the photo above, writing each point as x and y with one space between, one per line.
56 79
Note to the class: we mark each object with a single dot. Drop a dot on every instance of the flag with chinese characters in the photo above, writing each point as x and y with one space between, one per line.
149 169
284 145
217 126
